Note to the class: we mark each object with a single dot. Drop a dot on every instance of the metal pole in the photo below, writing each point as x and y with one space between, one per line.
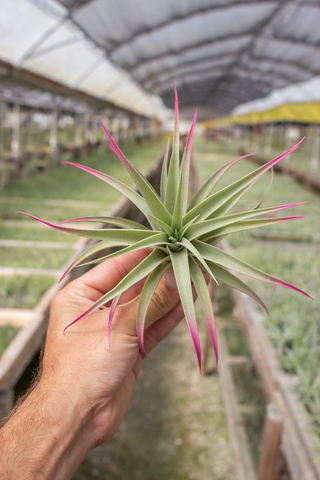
315 151
78 133
15 143
54 137
286 139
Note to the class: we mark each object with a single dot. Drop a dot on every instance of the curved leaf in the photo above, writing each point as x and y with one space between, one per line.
116 237
84 255
208 186
137 274
114 304
147 191
117 221
201 228
192 249
267 191
181 270
212 203
246 225
164 173
216 255
183 189
121 187
146 295
162 225
173 174
154 241
234 282
206 302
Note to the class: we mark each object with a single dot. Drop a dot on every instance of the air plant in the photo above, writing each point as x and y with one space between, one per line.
180 235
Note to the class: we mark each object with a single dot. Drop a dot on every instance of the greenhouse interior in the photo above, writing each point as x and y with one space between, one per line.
202 119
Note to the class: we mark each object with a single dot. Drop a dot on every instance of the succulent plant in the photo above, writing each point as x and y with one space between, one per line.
180 235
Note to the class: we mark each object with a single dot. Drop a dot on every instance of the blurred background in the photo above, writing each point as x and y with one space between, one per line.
252 68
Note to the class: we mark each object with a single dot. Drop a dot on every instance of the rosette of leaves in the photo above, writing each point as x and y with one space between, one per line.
180 235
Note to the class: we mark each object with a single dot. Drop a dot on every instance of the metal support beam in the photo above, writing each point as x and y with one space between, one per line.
15 143
315 150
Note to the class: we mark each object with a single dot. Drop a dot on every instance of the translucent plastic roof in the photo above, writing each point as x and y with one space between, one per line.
306 92
39 36
220 53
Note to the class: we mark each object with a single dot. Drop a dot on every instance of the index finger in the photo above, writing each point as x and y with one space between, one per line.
105 276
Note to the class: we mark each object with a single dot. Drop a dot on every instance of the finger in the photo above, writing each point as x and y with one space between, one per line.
105 276
160 329
133 291
165 298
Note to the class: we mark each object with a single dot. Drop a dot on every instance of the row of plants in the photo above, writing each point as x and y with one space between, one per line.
293 323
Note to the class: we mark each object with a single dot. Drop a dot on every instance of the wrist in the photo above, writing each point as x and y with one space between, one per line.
69 432
48 436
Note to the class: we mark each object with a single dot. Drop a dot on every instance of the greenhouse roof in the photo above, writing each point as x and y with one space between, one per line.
299 102
220 53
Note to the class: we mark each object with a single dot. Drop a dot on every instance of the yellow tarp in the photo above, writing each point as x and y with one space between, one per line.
293 112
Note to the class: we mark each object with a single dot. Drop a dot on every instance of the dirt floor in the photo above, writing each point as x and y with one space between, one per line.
175 428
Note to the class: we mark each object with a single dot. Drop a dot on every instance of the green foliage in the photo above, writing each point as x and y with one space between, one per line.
7 334
23 292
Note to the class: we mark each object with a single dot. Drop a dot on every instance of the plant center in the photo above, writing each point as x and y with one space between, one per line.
175 244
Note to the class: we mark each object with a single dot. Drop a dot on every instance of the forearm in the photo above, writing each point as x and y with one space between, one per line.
46 438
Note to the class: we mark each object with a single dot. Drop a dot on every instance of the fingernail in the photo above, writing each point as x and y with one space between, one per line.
170 279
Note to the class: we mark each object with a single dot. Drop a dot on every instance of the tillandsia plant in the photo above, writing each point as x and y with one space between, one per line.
180 235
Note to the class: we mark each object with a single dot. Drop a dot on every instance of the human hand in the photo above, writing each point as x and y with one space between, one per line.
102 381
84 390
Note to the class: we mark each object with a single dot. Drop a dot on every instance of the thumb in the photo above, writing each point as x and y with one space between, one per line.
164 300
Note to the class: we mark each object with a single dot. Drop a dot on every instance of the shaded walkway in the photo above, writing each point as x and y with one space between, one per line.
175 428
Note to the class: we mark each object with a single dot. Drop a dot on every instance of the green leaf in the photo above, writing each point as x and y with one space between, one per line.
184 229
208 186
180 265
206 302
183 190
164 173
133 196
211 204
114 236
192 249
162 225
174 167
214 254
201 228
246 225
267 191
234 282
153 241
117 221
97 247
221 211
146 295
138 273
147 191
